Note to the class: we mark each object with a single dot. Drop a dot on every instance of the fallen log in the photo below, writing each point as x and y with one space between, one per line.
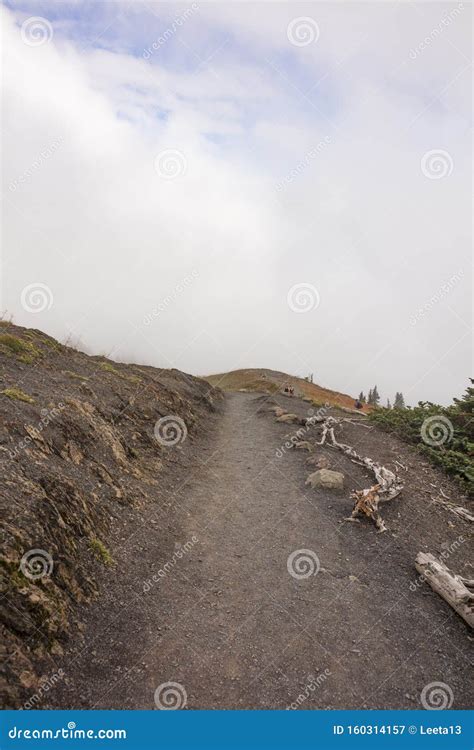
458 592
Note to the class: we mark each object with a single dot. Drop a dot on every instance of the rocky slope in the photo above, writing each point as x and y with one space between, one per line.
81 448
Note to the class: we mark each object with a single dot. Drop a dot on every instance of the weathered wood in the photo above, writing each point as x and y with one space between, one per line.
458 510
387 486
451 587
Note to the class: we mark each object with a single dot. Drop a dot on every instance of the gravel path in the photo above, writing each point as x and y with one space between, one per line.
227 621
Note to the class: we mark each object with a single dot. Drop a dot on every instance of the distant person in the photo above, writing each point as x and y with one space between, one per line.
358 404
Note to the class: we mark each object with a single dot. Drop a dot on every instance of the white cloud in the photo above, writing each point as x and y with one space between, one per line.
361 222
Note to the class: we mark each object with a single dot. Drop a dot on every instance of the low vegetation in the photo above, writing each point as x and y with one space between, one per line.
113 370
101 551
444 434
24 350
17 395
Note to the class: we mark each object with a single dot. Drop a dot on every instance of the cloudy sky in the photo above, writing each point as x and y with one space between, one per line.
211 186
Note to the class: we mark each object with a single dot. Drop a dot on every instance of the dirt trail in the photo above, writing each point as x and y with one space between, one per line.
230 624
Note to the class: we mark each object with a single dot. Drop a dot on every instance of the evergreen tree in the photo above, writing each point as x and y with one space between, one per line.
375 396
399 401
370 398
362 397
389 405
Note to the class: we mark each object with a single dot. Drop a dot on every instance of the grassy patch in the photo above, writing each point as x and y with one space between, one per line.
101 551
24 350
110 368
75 375
18 395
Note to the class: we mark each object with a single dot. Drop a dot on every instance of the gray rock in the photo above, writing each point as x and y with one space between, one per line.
330 480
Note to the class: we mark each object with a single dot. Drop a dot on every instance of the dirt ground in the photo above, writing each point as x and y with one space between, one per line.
225 619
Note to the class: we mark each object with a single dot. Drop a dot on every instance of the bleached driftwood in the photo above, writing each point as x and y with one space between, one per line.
387 486
458 510
457 591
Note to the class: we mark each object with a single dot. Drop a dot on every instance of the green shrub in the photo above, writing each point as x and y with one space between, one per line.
445 434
